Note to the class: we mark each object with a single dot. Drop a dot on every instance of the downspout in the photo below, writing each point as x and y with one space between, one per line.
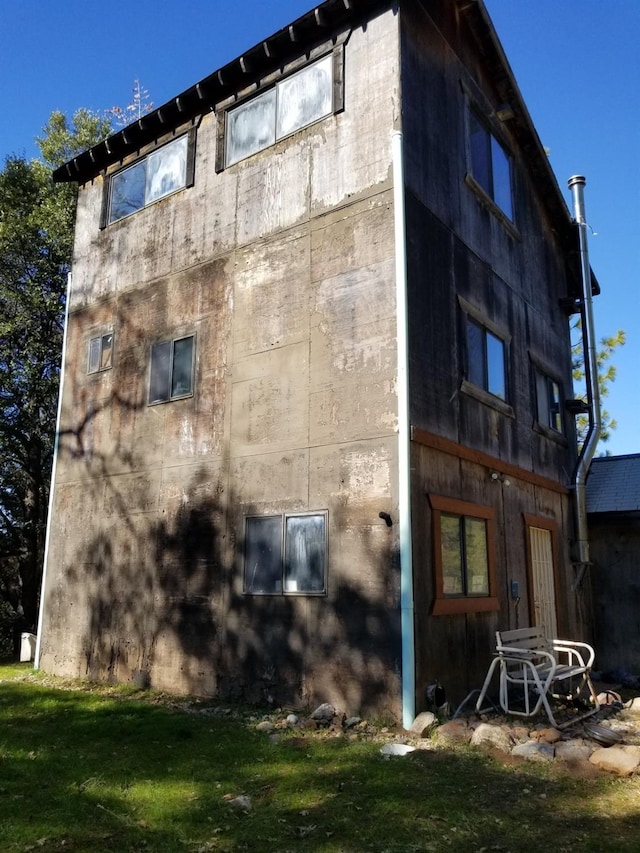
404 438
576 185
54 465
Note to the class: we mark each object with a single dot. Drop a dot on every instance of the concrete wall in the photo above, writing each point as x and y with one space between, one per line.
282 266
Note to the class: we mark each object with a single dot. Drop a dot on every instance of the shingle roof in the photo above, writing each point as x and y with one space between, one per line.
613 484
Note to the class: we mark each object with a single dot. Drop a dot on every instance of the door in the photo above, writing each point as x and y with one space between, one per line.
542 587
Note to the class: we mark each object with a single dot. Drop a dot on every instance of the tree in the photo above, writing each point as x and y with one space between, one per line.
139 106
606 375
36 238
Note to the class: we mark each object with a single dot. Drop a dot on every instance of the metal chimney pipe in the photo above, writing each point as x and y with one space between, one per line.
576 185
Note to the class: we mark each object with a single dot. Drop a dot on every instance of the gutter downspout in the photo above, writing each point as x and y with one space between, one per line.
576 185
404 438
54 465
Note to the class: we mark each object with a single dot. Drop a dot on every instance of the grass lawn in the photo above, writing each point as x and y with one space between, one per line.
97 770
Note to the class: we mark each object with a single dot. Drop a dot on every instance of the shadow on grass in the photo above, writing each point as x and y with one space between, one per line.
83 772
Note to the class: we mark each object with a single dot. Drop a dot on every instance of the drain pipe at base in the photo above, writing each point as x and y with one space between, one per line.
404 440
576 185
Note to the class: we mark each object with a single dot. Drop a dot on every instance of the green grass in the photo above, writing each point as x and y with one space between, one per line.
96 770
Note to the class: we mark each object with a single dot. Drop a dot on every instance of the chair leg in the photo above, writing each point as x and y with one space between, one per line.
486 684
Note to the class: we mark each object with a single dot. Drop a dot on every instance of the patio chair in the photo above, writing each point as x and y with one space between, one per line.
533 668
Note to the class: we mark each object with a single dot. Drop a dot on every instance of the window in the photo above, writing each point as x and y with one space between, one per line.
171 373
463 536
285 554
548 402
490 165
155 176
100 353
295 102
485 359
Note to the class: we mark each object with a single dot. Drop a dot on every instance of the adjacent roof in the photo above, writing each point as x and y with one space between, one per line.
613 484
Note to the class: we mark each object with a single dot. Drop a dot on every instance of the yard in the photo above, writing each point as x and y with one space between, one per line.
103 769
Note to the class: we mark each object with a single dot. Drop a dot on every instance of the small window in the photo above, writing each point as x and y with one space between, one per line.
100 353
548 402
485 359
155 176
285 554
295 102
490 165
463 557
171 373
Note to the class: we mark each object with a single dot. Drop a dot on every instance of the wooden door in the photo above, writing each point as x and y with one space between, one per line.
542 580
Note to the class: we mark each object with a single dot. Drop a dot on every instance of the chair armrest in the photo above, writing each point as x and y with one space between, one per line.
573 651
515 653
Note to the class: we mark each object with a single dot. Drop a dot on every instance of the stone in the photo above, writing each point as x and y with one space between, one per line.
621 760
265 726
534 751
631 710
454 731
292 720
548 735
423 722
398 749
488 735
324 713
351 722
241 803
573 750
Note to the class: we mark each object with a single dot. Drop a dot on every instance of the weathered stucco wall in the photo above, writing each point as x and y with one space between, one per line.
282 266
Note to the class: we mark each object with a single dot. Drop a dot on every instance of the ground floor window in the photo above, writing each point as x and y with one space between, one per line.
285 554
464 556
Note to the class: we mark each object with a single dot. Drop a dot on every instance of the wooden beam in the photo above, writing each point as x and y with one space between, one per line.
292 33
321 21
267 49
445 445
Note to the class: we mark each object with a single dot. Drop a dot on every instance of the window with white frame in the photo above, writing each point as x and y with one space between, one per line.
548 401
293 103
490 165
285 554
171 369
160 173
100 353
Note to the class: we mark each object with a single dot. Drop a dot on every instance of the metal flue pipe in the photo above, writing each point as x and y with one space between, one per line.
576 185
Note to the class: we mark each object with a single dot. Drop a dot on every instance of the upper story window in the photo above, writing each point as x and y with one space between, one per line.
293 103
162 172
486 359
171 372
490 164
100 353
548 402
286 554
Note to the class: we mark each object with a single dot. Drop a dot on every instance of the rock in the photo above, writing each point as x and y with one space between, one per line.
573 750
292 720
631 710
241 803
324 713
351 722
548 735
520 734
454 731
622 760
422 722
400 749
265 726
534 751
488 735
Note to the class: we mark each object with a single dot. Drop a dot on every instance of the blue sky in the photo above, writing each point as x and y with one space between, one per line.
576 62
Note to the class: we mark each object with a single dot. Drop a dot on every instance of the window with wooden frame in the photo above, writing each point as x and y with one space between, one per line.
485 358
171 369
100 353
548 401
160 173
489 164
307 95
285 554
464 557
